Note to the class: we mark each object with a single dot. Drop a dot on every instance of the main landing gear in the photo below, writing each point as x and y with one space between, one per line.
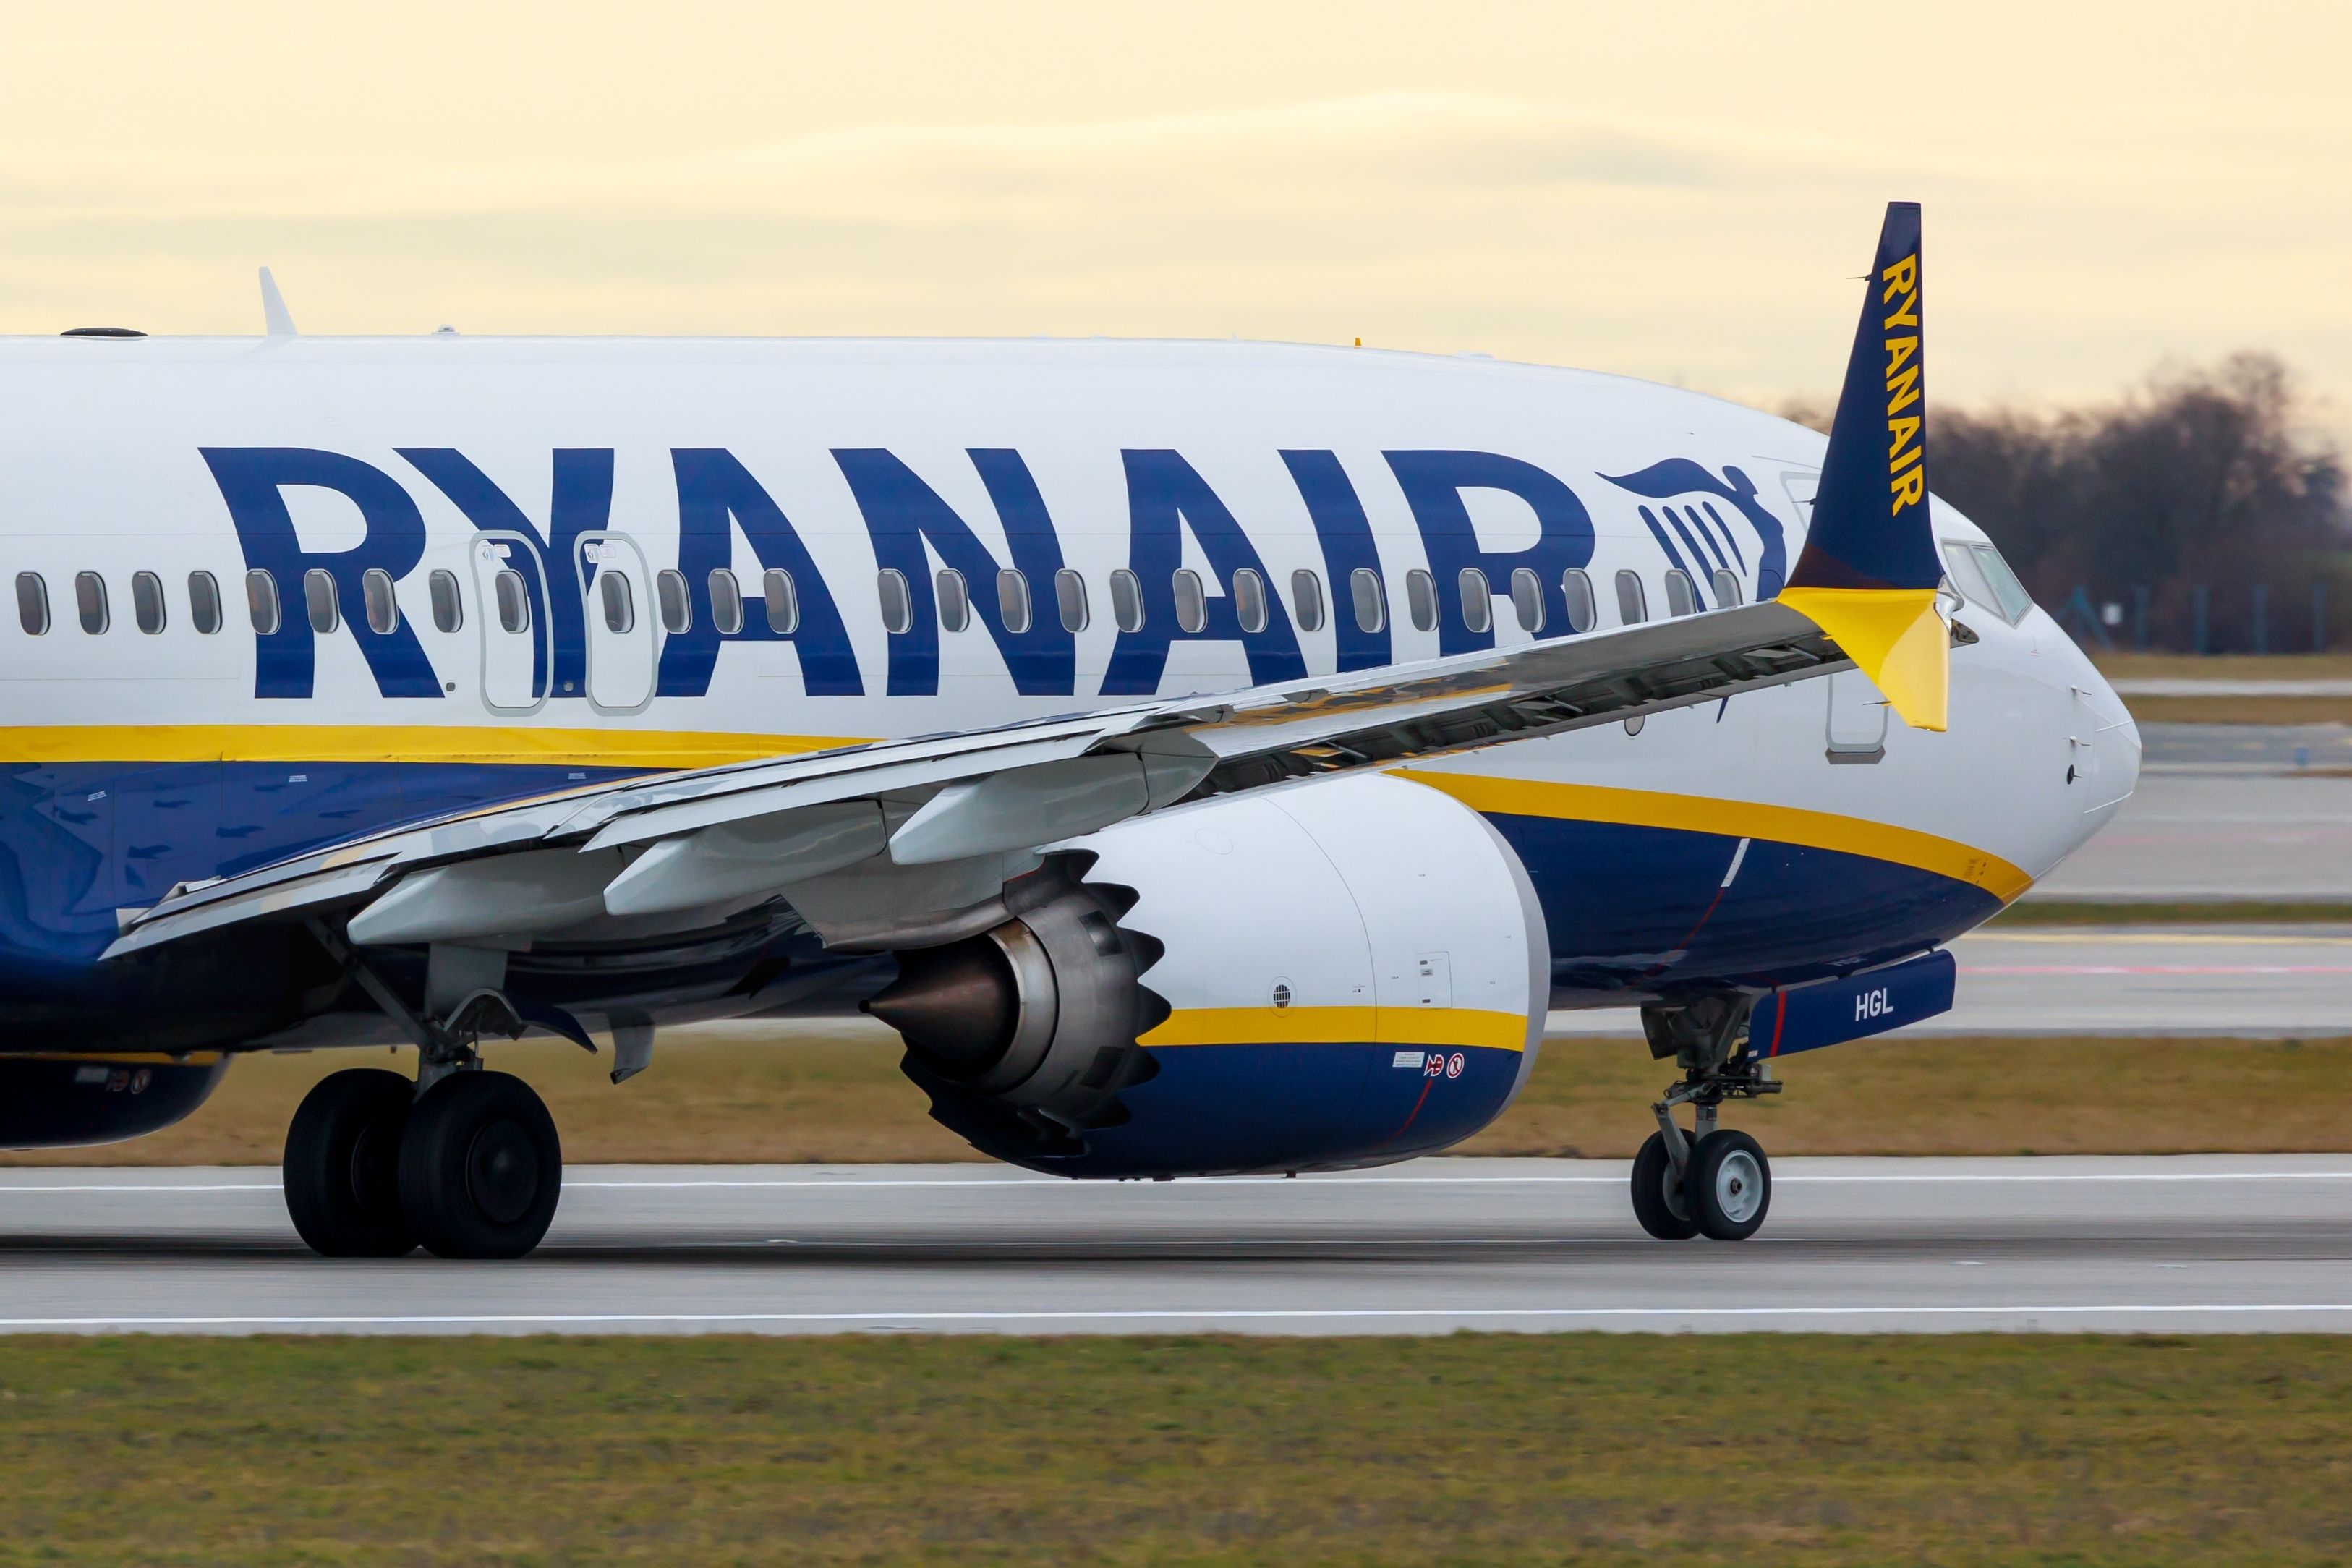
1711 1181
470 1168
464 1161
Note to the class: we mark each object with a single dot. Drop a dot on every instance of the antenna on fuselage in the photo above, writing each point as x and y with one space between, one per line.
276 320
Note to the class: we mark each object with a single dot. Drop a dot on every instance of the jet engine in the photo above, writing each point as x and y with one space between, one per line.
1341 974
55 1101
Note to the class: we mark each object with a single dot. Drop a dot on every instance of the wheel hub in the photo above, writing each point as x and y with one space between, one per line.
502 1172
1739 1187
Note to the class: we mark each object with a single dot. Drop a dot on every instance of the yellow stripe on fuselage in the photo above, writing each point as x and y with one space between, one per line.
656 750
1330 1025
615 748
1730 819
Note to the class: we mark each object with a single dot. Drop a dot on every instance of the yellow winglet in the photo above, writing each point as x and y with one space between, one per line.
1895 636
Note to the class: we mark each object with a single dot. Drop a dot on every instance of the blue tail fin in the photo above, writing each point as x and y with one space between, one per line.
1869 526
1868 573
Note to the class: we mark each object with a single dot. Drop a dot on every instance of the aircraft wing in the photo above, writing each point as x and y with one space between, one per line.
680 841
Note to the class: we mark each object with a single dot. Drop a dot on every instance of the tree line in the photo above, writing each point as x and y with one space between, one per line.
2210 476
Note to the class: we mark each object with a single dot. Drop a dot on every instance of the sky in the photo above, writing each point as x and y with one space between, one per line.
1681 193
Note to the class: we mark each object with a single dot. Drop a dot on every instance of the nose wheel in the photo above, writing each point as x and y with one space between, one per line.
470 1169
1730 1184
1711 1181
1721 1189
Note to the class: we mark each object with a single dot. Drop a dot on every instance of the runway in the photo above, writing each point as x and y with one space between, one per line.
2203 1243
2225 811
2257 982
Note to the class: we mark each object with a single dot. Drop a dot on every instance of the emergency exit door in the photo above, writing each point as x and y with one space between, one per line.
615 588
516 634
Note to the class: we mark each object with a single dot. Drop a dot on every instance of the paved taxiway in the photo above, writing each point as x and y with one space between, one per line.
2182 1245
2227 811
2261 981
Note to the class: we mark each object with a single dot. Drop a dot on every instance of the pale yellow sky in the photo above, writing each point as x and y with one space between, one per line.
1676 192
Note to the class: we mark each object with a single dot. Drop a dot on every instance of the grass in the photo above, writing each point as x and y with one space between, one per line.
2241 710
2225 667
1471 1450
2173 912
2232 667
842 1099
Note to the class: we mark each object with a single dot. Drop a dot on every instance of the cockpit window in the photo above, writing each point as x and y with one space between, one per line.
1984 579
2015 600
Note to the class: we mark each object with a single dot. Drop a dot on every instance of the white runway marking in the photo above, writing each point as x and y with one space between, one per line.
1197 1183
1150 1314
2057 1244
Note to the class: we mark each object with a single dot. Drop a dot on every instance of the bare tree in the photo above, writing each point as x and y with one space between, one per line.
2206 476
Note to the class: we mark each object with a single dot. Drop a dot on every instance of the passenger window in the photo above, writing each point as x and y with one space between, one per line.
1249 601
32 603
204 602
1632 603
1527 599
1727 590
1577 589
514 601
898 600
1013 600
261 602
783 602
1371 605
1307 600
955 600
1070 597
1191 603
383 606
147 602
449 608
726 602
1682 598
1477 599
319 599
1420 599
677 604
1127 600
89 599
2015 600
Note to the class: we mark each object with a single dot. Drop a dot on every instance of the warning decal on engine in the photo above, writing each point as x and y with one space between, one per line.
1404 1059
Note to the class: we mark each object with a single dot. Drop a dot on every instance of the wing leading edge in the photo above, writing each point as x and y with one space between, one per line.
681 841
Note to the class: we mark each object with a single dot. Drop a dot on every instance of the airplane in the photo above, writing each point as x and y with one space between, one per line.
1210 757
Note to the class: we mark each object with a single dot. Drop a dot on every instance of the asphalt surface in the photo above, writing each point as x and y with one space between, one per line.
2217 835
2180 1245
2255 982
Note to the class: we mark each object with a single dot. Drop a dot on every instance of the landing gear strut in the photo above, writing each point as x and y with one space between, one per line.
1711 1181
464 1161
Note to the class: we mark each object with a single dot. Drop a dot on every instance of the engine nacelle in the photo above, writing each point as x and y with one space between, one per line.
59 1102
1343 974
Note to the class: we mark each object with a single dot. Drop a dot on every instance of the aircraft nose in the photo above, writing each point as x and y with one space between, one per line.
2107 740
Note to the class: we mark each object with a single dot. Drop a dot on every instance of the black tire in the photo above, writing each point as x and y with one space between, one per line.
480 1168
1658 1200
341 1168
1730 1186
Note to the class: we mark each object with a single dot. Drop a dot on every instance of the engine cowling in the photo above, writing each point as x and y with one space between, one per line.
1344 974
59 1102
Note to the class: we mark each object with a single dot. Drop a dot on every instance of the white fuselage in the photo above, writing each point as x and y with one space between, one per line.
839 461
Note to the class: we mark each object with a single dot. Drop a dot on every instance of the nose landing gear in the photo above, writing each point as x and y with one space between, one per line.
1712 1181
